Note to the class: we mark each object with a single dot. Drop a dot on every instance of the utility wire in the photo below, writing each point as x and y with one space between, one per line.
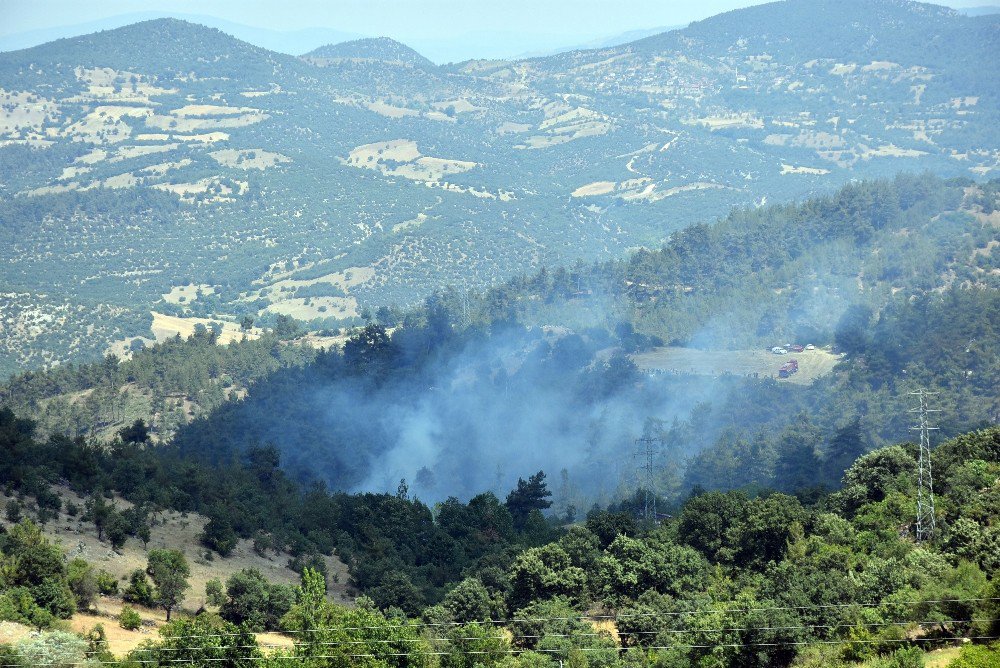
508 651
229 648
800 627
616 617
571 618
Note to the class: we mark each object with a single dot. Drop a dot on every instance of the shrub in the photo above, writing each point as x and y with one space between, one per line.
82 582
978 656
129 619
213 592
219 536
139 590
13 511
55 650
107 584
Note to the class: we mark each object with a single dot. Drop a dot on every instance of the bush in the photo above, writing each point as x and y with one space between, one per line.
107 584
97 645
978 656
254 602
116 530
13 511
139 590
56 650
219 536
909 657
82 582
213 592
129 619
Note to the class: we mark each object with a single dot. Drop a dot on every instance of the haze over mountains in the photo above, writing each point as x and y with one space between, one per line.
174 169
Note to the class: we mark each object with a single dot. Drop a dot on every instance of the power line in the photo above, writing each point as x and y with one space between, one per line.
512 651
617 617
515 637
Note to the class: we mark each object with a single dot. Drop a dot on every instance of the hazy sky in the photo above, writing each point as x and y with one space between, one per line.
416 17
486 22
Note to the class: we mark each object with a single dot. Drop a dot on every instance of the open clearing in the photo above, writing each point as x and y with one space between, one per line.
642 188
345 280
167 326
187 293
256 158
312 308
760 363
402 158
791 169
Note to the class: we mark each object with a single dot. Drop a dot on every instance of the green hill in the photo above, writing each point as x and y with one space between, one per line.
165 157
380 49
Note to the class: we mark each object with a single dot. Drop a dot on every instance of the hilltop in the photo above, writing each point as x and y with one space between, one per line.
381 49
161 48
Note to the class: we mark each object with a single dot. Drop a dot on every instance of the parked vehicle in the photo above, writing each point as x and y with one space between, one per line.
788 368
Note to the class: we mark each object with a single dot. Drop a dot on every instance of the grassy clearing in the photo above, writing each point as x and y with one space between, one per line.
248 158
940 658
317 307
167 326
672 359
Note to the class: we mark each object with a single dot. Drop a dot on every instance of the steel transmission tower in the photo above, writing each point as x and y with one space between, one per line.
925 478
646 451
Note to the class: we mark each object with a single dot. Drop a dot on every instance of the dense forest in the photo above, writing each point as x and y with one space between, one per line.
784 272
748 578
164 384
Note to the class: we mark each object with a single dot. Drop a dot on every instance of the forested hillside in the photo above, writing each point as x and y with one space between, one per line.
471 391
180 173
165 385
736 578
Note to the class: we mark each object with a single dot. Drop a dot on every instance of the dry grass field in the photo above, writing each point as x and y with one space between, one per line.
167 326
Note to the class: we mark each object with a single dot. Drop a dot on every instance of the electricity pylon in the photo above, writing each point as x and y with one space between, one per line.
646 450
925 477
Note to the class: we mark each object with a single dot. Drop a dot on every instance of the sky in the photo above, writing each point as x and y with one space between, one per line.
441 29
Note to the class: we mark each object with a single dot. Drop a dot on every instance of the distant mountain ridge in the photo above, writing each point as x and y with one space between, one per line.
817 29
163 47
980 11
289 42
